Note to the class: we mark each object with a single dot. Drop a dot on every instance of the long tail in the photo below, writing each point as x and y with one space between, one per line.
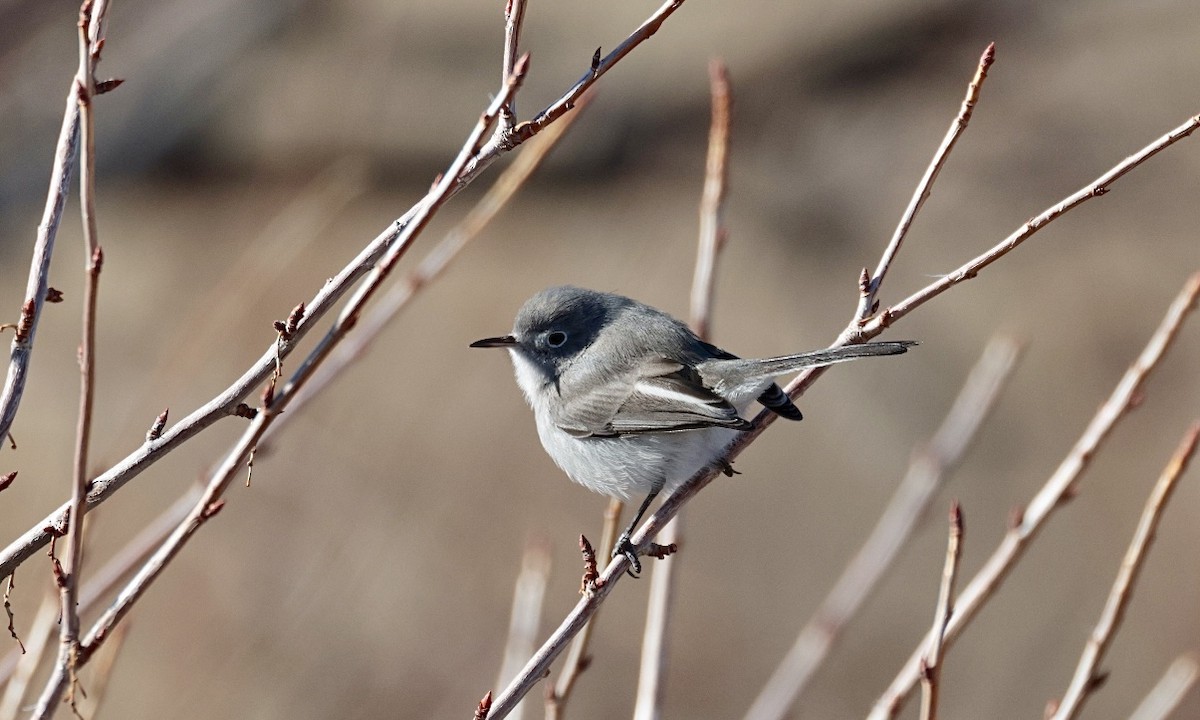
788 363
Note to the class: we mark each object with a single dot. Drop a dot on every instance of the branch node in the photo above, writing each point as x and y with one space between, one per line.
155 431
485 707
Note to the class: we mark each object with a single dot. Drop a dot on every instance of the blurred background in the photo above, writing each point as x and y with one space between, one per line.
256 147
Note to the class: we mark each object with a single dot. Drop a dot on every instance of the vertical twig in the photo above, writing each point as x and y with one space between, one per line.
20 674
713 234
928 469
931 666
514 16
577 658
68 579
1054 493
528 593
1087 675
1170 689
869 292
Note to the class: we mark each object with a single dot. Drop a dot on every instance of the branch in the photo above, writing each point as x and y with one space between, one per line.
210 501
928 469
68 580
713 234
870 287
226 403
1087 675
528 593
931 665
1057 490
1166 695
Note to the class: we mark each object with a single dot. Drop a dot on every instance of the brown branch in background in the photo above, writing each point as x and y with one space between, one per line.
1057 490
20 675
65 666
578 658
229 400
869 294
713 234
928 469
1170 690
528 593
1087 675
931 664
102 669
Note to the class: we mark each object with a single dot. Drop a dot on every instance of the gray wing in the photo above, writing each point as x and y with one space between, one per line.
661 396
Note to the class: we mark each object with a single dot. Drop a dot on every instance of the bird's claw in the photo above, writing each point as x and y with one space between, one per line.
630 551
727 468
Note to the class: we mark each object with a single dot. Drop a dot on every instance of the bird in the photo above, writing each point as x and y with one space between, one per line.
630 403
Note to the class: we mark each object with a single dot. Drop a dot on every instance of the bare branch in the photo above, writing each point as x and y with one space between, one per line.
229 401
1166 695
85 85
514 16
870 288
932 664
713 235
931 464
528 593
1056 490
1087 674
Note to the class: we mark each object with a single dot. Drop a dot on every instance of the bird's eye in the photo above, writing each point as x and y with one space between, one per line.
556 339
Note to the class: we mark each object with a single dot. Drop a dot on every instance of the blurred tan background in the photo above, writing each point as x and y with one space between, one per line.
368 570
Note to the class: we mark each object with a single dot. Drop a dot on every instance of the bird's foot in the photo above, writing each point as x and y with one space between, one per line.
630 551
727 467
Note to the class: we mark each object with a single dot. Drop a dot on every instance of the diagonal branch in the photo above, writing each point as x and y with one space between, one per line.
226 403
1087 675
1053 494
928 469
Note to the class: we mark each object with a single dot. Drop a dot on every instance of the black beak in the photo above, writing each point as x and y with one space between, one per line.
504 341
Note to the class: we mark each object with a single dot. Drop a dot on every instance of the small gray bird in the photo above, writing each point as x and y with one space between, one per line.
629 402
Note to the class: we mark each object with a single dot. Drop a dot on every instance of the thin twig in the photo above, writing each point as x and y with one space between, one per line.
1097 188
20 674
932 664
1170 690
528 593
928 469
713 234
85 85
210 501
870 290
435 262
577 658
514 16
1053 494
227 402
536 668
1087 675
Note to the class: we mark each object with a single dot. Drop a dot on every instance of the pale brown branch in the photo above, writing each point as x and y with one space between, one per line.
1098 187
514 16
528 593
19 669
435 262
227 402
870 290
932 664
1170 690
928 469
1087 674
85 89
210 501
1056 490
713 234
577 656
